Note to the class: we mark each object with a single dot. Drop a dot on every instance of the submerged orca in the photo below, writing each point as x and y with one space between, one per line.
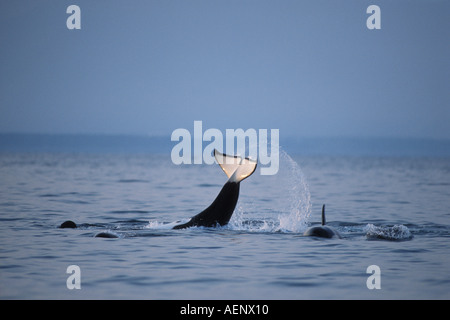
106 235
221 210
68 224
323 231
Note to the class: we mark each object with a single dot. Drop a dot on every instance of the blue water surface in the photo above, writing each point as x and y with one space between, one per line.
392 211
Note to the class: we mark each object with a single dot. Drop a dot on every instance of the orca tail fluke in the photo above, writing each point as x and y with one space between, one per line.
236 168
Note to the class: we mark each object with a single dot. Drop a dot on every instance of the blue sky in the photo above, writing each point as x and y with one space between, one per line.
308 68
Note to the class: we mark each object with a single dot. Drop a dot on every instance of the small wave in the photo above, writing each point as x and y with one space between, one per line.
129 211
132 181
254 225
208 185
394 233
154 224
63 194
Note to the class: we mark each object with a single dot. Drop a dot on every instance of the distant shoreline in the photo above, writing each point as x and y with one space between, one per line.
141 144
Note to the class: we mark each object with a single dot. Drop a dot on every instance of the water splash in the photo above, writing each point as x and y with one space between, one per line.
296 219
395 233
278 203
158 225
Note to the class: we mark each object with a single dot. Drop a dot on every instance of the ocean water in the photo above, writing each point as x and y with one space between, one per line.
392 212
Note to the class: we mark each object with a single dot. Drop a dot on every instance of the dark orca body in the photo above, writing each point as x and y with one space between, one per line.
105 235
73 225
323 231
219 212
68 224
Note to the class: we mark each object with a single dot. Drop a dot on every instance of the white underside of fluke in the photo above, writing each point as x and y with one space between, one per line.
236 168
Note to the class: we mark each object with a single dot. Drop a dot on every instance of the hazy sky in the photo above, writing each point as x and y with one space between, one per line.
308 68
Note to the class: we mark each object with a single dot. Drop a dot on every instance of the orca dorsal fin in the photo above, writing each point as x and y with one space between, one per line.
236 168
323 215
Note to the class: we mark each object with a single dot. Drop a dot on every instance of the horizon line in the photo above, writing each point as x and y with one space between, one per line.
286 137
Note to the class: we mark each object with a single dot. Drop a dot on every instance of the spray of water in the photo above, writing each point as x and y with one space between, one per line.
296 218
278 203
395 233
